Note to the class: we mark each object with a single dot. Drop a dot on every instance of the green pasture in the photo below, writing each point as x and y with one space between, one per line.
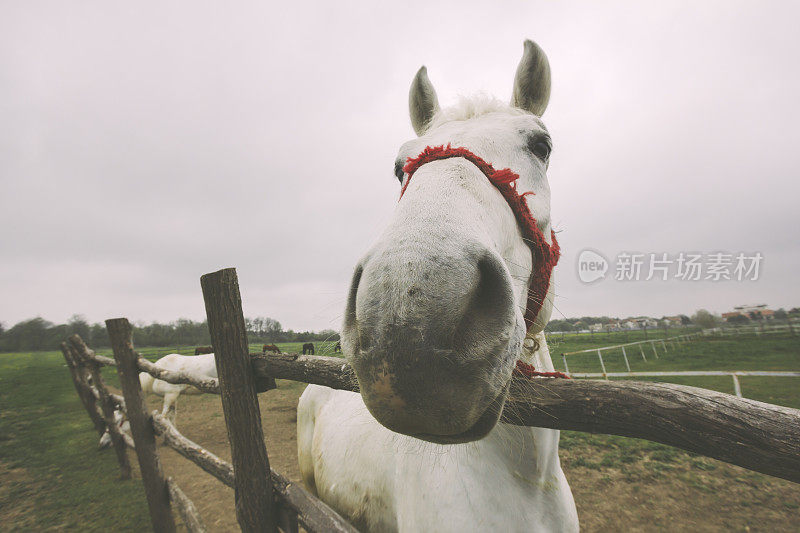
53 478
742 352
50 469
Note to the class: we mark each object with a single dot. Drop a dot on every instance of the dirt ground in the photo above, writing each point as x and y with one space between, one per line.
200 419
680 493
20 515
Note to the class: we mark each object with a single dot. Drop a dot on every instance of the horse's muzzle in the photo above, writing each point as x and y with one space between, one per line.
432 339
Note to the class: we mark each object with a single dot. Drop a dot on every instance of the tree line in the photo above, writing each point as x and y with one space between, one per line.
702 318
39 334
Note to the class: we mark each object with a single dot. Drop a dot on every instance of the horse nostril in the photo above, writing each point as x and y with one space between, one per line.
491 310
494 288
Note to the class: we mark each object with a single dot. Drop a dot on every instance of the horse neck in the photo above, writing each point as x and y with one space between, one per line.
530 452
536 352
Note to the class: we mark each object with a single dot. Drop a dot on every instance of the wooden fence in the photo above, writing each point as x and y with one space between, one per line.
265 500
754 435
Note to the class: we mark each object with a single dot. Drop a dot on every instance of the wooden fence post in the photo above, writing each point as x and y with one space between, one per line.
106 404
253 484
155 484
78 373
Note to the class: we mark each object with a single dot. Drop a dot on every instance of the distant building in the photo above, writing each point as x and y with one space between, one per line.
747 309
753 312
673 320
596 327
646 322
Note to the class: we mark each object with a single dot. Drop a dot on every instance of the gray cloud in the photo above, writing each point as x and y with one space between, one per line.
144 145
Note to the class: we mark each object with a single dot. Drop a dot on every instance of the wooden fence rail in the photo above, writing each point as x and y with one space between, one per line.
187 510
754 435
313 514
203 383
747 433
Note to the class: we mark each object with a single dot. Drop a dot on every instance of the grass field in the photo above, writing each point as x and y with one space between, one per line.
53 478
746 352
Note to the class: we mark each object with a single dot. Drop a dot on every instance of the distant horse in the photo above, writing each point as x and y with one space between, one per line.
270 348
308 348
201 366
338 347
123 425
201 350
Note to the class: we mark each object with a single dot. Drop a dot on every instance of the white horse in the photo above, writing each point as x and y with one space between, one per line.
123 425
440 311
200 365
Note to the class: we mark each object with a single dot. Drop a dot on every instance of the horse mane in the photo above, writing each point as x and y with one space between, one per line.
474 106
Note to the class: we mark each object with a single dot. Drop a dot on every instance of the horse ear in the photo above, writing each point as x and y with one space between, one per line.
422 101
532 82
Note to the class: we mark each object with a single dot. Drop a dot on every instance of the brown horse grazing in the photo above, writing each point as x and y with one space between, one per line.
338 347
308 348
270 348
200 350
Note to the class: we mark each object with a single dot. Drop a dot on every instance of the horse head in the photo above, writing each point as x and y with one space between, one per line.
436 313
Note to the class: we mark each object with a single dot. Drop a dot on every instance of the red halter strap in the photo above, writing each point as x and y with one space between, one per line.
545 256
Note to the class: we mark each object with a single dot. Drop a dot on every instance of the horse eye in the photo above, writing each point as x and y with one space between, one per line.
541 150
398 171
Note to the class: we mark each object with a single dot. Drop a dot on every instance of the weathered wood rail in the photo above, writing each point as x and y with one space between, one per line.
747 433
754 435
202 383
312 513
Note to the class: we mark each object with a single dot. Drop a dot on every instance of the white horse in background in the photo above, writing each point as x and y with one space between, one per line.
123 425
200 365
433 328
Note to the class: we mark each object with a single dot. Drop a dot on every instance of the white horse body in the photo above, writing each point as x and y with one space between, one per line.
509 481
437 320
200 365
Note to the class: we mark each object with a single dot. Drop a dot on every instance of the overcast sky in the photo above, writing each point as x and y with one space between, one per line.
145 144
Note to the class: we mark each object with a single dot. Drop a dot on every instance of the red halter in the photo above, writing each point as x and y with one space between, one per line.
545 256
